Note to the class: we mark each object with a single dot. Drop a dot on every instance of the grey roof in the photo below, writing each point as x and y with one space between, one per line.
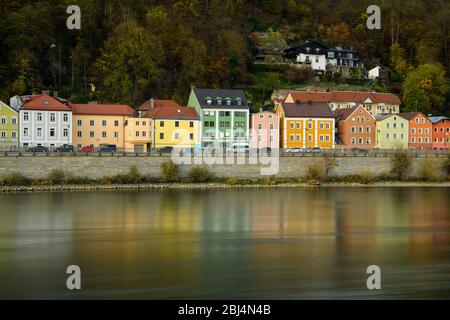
437 119
202 94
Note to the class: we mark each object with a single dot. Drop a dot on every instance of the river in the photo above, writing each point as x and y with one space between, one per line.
274 243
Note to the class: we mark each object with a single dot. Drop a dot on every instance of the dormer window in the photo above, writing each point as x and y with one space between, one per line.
208 101
228 101
219 101
46 102
308 50
238 101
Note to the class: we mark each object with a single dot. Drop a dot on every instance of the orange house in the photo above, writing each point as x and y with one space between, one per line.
306 125
420 130
356 128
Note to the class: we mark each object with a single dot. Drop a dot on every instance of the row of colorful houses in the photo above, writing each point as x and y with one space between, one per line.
216 117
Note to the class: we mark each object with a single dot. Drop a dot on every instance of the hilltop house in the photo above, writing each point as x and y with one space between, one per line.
9 128
323 59
374 103
45 121
224 116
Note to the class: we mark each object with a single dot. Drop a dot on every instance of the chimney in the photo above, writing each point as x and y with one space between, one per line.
152 103
55 94
260 109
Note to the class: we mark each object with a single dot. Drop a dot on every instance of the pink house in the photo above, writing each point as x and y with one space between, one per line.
264 130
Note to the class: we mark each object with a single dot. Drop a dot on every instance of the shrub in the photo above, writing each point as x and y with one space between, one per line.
232 181
366 177
15 179
427 171
315 174
199 174
446 166
329 163
56 177
401 164
170 171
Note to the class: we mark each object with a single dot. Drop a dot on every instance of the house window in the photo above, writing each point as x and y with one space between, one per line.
310 125
116 123
360 141
65 117
259 138
91 134
260 126
191 136
103 134
191 124
25 132
387 135
271 127
137 133
298 137
116 134
292 125
39 132
13 120
92 123
79 134
52 132
144 133
361 129
39 117
104 123
52 117
271 138
79 123
65 132
353 140
161 124
13 134
3 135
161 136
368 141
291 137
321 125
26 116
177 124
368 129
353 129
310 138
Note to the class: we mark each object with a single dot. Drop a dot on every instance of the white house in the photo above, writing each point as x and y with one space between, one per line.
374 73
310 53
45 121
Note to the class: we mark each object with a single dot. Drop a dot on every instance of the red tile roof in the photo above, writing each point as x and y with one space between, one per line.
410 115
343 114
346 96
158 104
102 109
307 110
45 102
171 112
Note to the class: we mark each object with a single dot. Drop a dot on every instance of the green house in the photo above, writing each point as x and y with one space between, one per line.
9 128
224 116
392 132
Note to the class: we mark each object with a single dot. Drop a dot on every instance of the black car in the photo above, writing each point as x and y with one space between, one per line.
37 149
165 150
108 148
65 148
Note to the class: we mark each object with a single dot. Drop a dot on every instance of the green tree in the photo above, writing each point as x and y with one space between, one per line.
425 88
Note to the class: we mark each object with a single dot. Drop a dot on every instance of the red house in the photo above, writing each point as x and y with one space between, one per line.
441 132
420 130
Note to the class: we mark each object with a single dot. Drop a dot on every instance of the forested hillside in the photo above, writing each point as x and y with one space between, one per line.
133 50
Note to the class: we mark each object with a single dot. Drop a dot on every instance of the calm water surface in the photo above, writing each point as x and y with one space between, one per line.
230 244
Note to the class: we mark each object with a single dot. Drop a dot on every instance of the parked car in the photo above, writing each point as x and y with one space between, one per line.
165 150
38 149
86 149
238 148
64 148
265 150
108 148
315 150
295 150
360 150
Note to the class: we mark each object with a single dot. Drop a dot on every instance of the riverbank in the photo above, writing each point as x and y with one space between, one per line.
200 186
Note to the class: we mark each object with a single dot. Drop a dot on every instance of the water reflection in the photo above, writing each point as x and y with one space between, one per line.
262 243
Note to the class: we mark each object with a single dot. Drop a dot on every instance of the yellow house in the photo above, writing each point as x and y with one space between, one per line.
174 126
306 125
9 128
95 125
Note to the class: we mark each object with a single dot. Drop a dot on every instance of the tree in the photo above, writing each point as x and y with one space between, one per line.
425 88
129 63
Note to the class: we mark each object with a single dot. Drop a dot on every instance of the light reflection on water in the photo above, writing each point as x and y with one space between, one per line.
219 244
